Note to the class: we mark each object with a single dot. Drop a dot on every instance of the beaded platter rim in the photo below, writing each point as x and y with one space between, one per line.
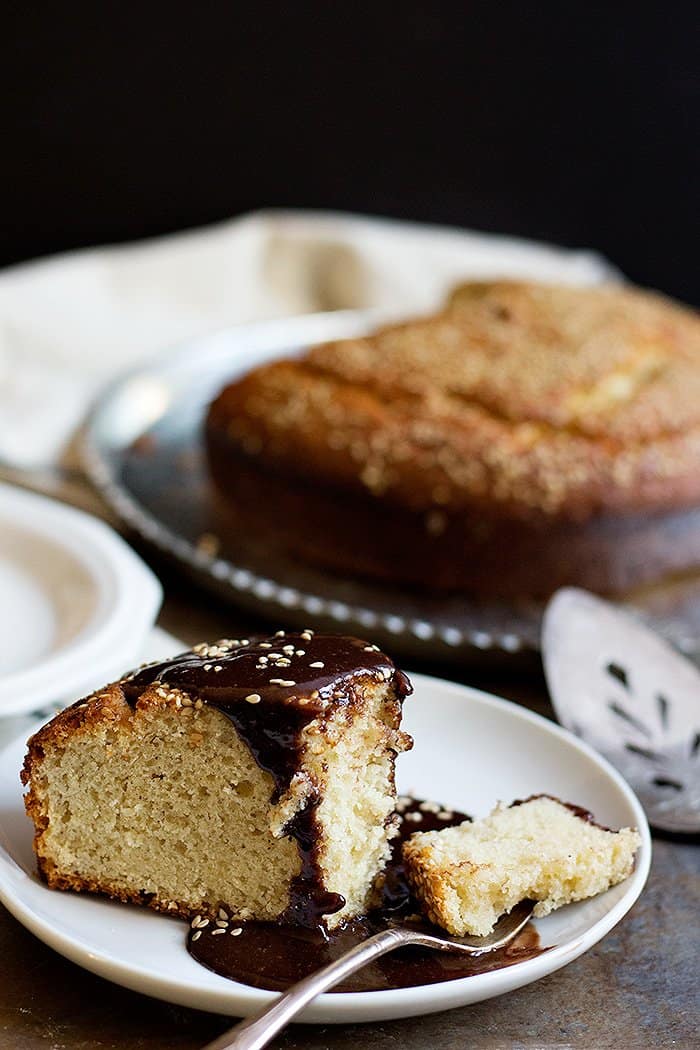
458 630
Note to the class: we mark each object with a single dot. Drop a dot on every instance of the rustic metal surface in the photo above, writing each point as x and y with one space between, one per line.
637 988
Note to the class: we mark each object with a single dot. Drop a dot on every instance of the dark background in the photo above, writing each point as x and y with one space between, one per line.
576 123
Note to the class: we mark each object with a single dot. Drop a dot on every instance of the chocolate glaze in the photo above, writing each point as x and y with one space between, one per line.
240 674
282 700
273 956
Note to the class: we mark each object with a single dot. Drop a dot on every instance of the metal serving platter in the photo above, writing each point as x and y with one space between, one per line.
143 449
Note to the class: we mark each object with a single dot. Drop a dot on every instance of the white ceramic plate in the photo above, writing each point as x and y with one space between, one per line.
75 602
471 750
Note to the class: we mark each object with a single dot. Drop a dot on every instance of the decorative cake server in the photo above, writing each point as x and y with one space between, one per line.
628 693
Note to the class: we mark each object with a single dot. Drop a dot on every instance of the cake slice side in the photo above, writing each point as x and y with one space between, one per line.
160 804
352 759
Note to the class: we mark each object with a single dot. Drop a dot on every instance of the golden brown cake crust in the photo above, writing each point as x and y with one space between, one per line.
105 707
525 401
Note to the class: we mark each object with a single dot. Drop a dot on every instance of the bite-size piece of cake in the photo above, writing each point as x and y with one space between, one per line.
254 775
466 877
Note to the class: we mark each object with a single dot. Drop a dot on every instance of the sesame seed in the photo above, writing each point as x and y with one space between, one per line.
202 923
195 922
279 634
288 649
445 814
307 630
413 816
223 914
253 698
222 924
218 667
237 931
265 645
317 663
196 935
300 652
215 932
207 667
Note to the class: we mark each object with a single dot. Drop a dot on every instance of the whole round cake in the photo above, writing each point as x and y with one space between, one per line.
526 437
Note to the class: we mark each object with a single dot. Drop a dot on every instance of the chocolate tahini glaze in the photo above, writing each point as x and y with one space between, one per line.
271 688
273 956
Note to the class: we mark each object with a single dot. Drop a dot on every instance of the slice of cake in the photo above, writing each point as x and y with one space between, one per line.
254 775
467 876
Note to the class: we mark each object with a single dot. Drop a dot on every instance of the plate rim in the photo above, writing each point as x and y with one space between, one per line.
119 630
340 1008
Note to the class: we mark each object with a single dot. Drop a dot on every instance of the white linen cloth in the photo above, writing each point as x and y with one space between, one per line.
70 322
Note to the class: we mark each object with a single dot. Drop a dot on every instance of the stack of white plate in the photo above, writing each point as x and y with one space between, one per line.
76 604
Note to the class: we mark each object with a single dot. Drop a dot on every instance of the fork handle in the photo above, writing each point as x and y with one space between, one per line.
257 1031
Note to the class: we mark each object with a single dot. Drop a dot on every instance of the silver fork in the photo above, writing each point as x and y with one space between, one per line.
257 1031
